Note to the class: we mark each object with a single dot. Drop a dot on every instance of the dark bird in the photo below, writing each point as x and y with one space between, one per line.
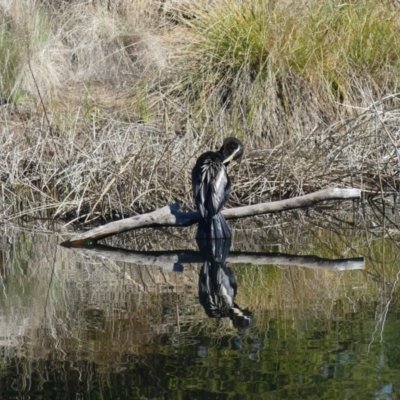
212 187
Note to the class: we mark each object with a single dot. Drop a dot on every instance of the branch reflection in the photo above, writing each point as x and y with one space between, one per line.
217 283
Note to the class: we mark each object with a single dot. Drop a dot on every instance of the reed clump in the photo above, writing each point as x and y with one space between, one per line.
106 105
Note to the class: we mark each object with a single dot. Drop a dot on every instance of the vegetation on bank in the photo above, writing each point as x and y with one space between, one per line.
106 105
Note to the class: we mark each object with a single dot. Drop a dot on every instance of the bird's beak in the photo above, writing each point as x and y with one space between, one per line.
230 158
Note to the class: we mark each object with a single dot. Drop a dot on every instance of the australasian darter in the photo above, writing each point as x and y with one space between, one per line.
212 187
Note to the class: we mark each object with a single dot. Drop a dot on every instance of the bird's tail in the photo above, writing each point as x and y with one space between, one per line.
213 228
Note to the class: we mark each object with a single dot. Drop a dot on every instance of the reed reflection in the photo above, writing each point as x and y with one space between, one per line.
217 284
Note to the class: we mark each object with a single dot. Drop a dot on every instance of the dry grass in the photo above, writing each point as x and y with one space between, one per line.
106 106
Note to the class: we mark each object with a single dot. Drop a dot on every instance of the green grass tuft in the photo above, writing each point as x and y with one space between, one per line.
9 64
325 44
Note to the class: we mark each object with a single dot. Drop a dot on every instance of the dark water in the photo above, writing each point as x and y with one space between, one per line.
78 324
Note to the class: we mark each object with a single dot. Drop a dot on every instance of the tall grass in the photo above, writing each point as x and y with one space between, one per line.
293 58
110 103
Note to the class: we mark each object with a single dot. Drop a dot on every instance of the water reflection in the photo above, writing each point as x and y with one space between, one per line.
115 323
217 284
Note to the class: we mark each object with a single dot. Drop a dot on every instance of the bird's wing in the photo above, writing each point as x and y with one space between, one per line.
211 187
198 190
220 189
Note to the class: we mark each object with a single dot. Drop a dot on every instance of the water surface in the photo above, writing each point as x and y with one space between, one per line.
76 324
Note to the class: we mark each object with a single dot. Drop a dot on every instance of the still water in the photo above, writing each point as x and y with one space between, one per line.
317 299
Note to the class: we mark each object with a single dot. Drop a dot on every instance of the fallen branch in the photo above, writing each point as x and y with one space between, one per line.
170 216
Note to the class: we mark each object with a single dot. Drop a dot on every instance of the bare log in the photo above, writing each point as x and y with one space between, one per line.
290 204
170 216
175 259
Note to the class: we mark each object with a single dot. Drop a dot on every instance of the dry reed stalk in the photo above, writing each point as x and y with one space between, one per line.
76 177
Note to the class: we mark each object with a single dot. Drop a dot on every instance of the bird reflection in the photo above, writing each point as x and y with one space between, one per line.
212 187
217 284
